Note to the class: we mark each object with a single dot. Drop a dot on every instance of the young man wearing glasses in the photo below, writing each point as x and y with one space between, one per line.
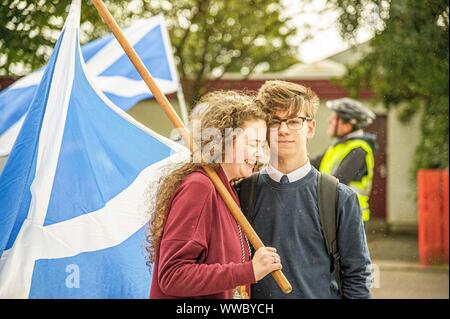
285 211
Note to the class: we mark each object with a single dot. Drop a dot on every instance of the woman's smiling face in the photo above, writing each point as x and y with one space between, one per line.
247 149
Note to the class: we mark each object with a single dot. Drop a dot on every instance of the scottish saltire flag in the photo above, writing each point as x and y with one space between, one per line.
73 192
111 71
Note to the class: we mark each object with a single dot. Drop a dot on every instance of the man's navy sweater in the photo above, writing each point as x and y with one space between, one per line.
287 218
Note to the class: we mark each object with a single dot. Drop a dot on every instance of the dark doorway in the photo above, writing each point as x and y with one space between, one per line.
377 200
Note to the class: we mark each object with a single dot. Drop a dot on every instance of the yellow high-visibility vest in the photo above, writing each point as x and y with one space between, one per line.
333 158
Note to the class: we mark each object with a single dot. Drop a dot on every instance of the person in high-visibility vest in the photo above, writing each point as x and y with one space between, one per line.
351 157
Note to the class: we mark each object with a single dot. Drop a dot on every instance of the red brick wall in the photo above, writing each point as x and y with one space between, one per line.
325 89
6 81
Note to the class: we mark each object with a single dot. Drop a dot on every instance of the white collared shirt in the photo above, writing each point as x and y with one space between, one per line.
293 176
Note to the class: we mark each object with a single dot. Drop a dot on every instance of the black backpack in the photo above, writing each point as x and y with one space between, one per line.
327 202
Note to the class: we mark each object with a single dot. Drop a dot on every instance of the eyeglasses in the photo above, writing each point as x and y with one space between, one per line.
295 123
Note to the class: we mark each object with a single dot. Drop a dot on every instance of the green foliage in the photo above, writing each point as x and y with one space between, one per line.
29 30
209 37
214 37
407 66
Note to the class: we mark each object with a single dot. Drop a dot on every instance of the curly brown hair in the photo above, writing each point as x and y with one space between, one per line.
225 109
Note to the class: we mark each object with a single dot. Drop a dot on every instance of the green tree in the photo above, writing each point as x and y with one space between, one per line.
407 65
29 30
209 37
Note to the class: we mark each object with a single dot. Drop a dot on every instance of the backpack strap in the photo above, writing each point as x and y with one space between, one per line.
247 196
327 202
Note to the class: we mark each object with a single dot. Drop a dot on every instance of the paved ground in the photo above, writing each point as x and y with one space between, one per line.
398 273
407 283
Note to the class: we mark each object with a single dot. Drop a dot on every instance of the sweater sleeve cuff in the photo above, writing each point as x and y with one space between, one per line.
243 274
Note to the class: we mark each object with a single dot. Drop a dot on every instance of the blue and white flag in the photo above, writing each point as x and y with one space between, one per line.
111 71
74 190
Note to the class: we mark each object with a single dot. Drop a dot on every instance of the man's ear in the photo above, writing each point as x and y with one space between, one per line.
311 129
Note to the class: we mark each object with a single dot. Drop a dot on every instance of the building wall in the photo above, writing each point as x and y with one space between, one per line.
150 114
401 201
321 140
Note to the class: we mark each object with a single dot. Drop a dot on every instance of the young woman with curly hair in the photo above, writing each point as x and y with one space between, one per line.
197 248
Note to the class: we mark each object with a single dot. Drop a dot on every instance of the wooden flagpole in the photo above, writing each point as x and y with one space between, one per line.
278 275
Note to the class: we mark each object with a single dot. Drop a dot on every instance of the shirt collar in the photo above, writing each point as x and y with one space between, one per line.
357 133
293 176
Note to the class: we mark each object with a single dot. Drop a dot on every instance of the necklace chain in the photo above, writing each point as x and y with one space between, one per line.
240 292
242 244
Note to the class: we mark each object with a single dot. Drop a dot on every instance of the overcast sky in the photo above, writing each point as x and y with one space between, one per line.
326 39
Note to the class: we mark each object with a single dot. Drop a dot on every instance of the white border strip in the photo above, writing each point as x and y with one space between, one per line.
52 129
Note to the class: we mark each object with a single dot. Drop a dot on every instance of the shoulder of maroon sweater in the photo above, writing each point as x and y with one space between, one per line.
198 179
192 208
196 186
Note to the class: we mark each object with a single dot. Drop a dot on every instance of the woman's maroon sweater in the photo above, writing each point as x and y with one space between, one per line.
200 253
